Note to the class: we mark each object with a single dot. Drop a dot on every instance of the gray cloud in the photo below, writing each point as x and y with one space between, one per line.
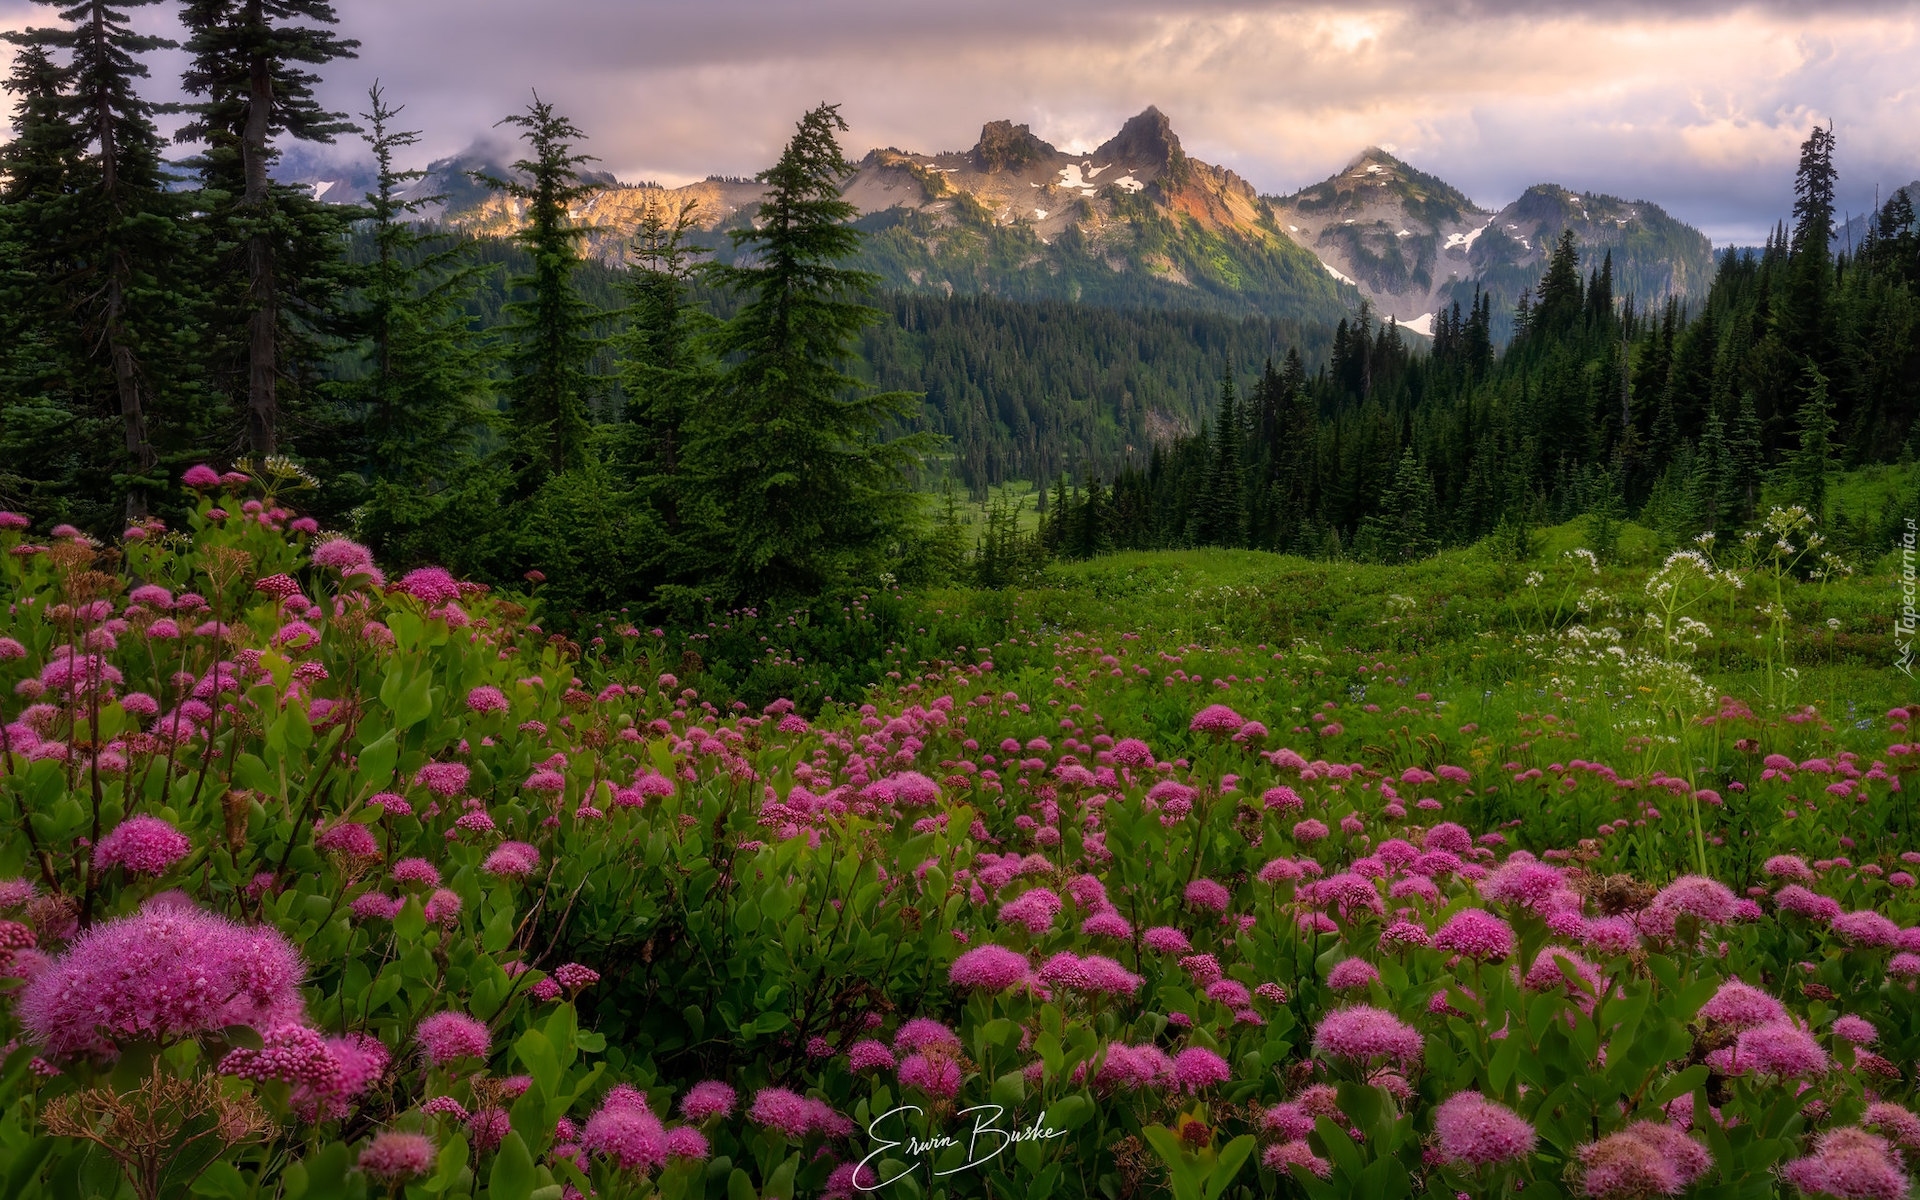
1696 106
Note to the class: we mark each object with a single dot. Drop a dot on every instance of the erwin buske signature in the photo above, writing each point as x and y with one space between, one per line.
984 1126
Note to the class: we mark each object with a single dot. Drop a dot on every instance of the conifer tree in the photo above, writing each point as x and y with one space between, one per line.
551 332
664 366
791 448
1402 529
1813 460
1223 515
421 405
249 60
1805 320
1559 303
122 235
49 442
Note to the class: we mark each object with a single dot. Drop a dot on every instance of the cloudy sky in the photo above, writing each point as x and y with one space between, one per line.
1695 105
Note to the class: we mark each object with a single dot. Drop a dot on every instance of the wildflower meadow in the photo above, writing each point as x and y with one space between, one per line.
319 884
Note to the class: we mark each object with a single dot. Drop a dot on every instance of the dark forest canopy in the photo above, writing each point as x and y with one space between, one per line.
756 429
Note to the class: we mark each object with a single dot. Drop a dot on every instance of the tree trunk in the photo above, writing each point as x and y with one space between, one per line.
133 417
263 321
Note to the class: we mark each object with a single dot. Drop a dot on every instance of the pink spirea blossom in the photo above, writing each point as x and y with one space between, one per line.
1207 894
1350 974
443 779
686 1142
1866 928
1282 1157
1477 1131
349 838
416 871
360 1060
1035 909
869 1055
1522 883
442 907
512 860
1799 901
922 1032
707 1099
625 1132
144 845
1197 1068
430 585
486 699
201 477
1852 1164
935 1074
988 968
1791 867
1165 939
1367 1034
782 1111
395 1156
1310 831
1856 1030
1897 1123
447 1036
1647 1158
1778 1048
1107 924
1706 900
289 1053
1477 934
166 972
1218 720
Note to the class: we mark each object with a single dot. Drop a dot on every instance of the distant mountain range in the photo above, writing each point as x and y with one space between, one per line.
1140 223
1415 244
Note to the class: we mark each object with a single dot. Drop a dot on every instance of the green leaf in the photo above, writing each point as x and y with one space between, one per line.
739 1187
512 1177
1232 1157
536 1051
376 761
497 931
413 703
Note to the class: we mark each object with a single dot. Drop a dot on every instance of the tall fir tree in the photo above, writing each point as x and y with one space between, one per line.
1223 509
1810 463
552 331
248 67
790 452
423 400
665 369
1805 318
124 243
50 465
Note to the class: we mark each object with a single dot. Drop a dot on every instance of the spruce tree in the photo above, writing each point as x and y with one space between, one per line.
551 332
1223 519
422 402
790 450
1804 319
124 241
50 460
664 367
1810 464
1559 303
249 60
1402 530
